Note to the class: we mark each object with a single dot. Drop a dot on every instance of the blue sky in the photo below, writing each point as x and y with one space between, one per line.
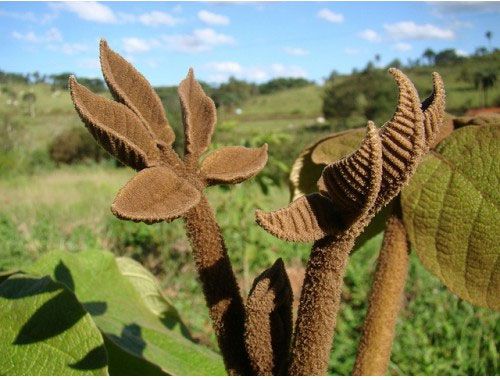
254 41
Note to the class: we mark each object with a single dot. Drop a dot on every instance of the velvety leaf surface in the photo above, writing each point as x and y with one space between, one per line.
233 164
154 195
132 89
122 315
308 167
451 212
199 115
46 331
115 127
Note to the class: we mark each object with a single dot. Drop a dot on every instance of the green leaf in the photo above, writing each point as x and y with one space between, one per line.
148 288
308 167
123 316
45 331
451 212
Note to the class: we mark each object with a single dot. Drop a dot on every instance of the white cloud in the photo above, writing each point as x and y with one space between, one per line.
89 63
156 18
351 51
402 47
221 71
452 7
199 40
330 16
69 48
212 18
370 35
133 45
89 11
461 53
42 19
51 35
295 51
409 30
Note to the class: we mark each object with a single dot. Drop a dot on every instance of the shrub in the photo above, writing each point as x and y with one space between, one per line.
74 146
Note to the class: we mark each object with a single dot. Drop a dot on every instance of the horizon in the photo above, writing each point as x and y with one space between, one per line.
220 40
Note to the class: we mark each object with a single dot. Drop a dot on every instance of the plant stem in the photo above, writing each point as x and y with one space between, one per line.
219 286
319 305
374 349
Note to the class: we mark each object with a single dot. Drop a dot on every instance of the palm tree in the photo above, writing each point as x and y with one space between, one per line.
430 55
485 81
489 35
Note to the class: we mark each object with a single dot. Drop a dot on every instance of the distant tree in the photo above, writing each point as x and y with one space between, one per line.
60 81
395 63
279 84
489 35
484 81
377 58
447 56
481 51
93 84
429 55
331 77
369 67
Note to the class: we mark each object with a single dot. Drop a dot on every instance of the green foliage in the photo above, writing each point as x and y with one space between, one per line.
46 331
452 217
12 243
280 84
74 146
128 323
447 57
369 93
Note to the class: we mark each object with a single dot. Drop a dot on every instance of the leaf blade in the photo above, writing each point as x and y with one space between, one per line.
131 88
116 128
452 218
233 164
199 116
154 195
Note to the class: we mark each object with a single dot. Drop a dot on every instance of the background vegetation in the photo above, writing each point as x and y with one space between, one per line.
56 187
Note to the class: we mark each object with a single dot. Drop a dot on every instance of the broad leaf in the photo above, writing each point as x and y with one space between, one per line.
233 164
199 115
148 288
132 89
154 195
123 317
115 127
451 212
46 331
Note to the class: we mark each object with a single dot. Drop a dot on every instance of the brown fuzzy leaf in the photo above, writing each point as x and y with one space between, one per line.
268 323
129 87
349 182
154 195
199 115
115 127
433 108
308 218
233 164
403 141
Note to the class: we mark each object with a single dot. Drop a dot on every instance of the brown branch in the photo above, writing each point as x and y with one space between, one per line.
374 349
219 286
319 305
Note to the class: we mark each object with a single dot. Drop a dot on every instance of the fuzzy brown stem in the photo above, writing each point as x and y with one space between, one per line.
319 305
219 286
374 349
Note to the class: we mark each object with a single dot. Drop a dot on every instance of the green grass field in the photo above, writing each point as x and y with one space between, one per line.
44 207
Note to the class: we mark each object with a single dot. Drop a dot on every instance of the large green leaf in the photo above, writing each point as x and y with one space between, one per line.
451 212
148 288
45 331
308 167
123 316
